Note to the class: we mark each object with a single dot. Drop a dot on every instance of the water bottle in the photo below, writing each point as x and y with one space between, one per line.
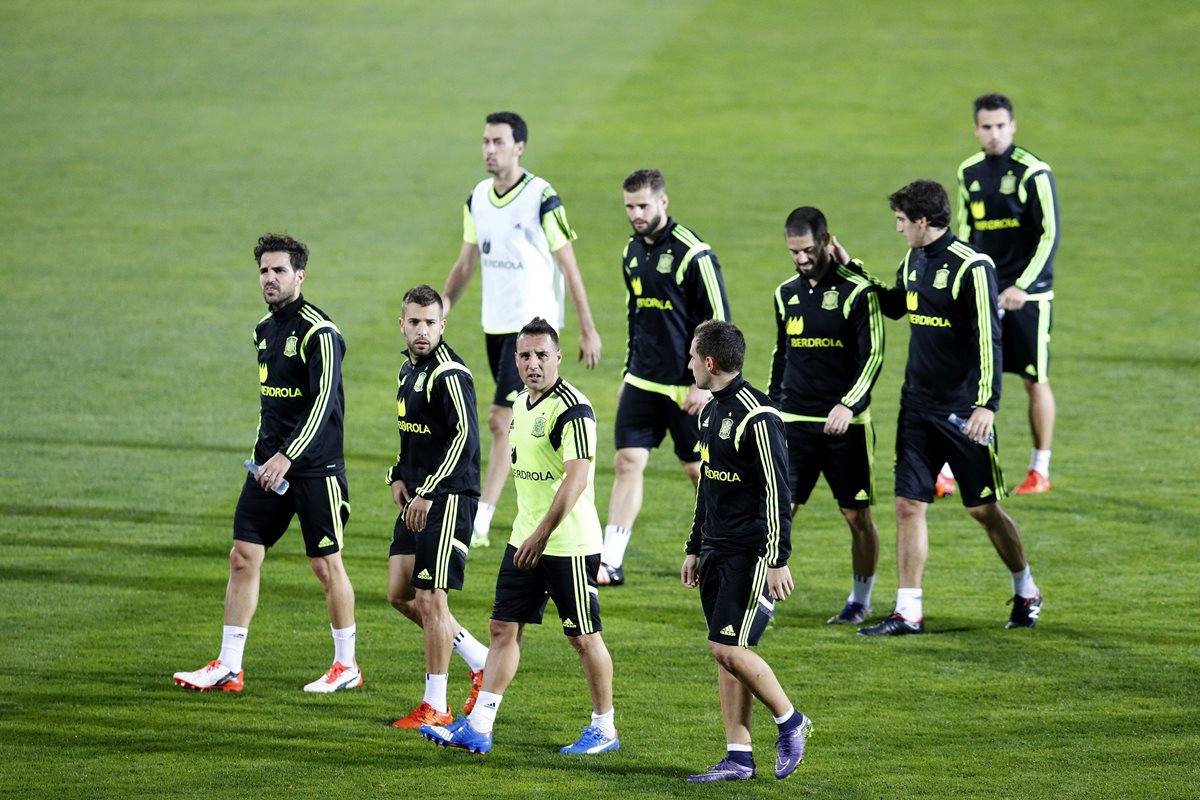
252 468
955 419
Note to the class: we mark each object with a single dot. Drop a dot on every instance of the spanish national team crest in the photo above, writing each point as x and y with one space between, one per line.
262 373
1008 184
941 278
726 428
420 383
665 262
289 346
539 427
829 300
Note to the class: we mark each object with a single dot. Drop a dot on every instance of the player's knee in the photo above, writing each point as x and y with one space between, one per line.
723 654
985 514
431 603
859 519
502 633
908 510
242 561
628 463
498 422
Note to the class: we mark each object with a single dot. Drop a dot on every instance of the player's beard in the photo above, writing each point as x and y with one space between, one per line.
652 226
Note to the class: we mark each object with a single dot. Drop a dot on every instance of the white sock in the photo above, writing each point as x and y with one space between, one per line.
483 518
605 722
472 651
908 604
616 539
862 589
435 691
786 715
233 643
343 645
1040 462
949 473
1023 583
739 748
483 716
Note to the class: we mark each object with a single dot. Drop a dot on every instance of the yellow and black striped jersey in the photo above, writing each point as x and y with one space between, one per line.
744 496
828 343
1008 208
671 286
302 414
559 427
948 292
439 429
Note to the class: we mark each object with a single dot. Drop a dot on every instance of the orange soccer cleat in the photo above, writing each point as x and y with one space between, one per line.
424 714
476 685
1034 483
944 486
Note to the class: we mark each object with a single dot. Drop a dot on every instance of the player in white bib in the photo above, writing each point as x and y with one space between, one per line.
515 226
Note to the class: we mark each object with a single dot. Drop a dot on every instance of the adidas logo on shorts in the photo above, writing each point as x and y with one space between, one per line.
325 542
728 631
424 575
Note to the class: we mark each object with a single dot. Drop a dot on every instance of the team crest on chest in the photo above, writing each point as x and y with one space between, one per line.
290 346
665 262
1008 184
829 300
539 427
726 428
420 383
941 278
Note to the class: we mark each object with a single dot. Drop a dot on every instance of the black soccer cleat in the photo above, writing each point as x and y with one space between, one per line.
609 575
895 625
1025 612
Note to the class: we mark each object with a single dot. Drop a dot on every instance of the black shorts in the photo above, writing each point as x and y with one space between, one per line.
924 442
733 591
441 549
1026 340
643 419
322 504
847 461
570 581
502 359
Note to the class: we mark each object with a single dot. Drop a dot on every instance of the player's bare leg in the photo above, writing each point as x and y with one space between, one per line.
597 669
498 467
864 540
1042 412
737 705
1003 532
912 542
339 594
625 503
400 592
754 673
241 594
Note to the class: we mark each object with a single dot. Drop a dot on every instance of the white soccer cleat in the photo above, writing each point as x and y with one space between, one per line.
213 676
338 677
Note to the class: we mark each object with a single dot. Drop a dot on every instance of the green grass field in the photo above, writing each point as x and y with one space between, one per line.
147 145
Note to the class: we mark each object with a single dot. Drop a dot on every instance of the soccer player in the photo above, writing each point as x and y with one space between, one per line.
1008 208
435 482
515 225
828 351
300 430
672 283
554 549
949 400
739 546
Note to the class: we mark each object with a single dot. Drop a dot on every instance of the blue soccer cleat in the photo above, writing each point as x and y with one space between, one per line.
593 741
852 613
723 770
458 734
791 748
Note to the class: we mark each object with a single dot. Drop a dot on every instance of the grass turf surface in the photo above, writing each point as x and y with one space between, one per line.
147 145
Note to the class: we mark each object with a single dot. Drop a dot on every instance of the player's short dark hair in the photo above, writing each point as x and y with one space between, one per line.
723 343
806 220
282 243
513 120
993 102
645 178
423 295
540 327
923 198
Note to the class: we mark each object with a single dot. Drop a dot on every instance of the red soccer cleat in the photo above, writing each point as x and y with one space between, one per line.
1034 483
944 487
476 685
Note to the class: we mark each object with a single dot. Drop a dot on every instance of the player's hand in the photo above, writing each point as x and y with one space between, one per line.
400 494
695 400
417 513
589 348
1013 298
836 251
838 421
779 582
271 473
979 426
689 573
530 551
